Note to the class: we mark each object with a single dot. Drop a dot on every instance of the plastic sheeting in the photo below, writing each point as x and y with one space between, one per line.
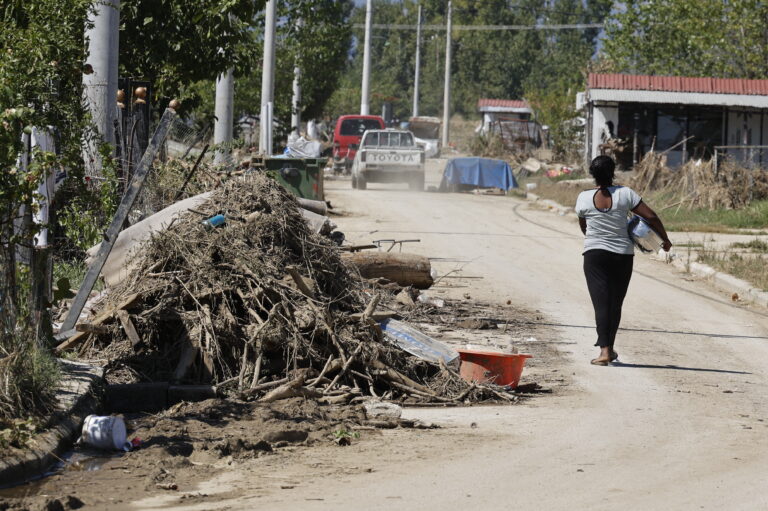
303 148
478 172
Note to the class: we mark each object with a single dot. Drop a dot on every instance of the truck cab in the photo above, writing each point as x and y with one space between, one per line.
388 156
346 138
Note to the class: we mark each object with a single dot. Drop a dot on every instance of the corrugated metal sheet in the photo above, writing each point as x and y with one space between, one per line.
678 98
502 103
678 84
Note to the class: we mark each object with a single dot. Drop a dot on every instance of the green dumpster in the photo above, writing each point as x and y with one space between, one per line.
301 176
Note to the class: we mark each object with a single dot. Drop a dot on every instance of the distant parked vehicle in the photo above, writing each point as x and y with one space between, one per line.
388 156
427 133
346 138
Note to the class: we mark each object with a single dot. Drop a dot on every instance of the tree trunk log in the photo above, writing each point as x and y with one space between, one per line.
405 269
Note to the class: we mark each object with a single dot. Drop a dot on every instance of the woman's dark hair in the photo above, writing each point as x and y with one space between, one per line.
602 168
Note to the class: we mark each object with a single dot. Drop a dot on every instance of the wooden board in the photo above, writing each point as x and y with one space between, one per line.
132 192
101 318
128 327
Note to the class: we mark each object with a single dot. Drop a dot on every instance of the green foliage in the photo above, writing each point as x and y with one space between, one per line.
173 43
756 245
28 377
313 33
17 433
89 211
41 58
753 216
555 107
691 38
497 64
345 434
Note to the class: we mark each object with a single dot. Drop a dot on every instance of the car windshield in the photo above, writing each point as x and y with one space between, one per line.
358 126
388 139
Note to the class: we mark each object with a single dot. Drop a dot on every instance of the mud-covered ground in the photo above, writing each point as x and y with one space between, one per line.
192 443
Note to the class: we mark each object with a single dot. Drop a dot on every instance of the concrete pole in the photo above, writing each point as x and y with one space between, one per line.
100 81
267 78
417 70
447 91
224 111
366 90
296 101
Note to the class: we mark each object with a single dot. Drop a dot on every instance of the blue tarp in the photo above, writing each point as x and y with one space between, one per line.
478 172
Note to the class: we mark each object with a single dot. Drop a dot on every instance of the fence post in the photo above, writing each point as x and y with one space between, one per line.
131 193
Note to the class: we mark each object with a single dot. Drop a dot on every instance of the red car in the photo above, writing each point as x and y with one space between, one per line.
346 138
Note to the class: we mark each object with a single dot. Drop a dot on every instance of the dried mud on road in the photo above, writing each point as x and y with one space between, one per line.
190 445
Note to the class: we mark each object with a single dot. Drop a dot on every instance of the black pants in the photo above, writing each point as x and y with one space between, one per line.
608 277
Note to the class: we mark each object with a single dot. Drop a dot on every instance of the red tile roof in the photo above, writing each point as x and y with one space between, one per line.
679 84
502 103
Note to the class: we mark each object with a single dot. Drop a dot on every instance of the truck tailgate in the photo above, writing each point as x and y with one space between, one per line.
388 157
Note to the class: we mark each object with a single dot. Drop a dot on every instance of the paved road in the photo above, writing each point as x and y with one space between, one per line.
680 424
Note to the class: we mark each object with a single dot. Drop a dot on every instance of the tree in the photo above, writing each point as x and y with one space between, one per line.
41 58
315 34
561 64
493 63
691 38
174 43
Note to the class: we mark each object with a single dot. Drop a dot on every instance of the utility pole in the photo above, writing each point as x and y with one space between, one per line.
224 110
447 91
417 71
296 100
100 78
366 91
267 80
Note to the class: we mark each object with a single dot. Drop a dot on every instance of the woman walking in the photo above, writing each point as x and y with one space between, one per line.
608 250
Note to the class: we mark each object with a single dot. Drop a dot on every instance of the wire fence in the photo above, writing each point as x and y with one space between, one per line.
748 156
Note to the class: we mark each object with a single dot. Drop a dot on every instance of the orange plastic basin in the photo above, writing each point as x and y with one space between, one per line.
490 367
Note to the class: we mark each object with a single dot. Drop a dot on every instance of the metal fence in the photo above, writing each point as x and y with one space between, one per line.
518 135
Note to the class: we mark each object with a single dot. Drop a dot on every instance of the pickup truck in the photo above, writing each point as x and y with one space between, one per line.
346 138
388 156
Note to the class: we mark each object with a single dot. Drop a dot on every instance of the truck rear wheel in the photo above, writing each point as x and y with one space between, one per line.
362 184
354 182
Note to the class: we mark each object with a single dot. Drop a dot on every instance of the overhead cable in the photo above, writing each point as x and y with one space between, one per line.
567 26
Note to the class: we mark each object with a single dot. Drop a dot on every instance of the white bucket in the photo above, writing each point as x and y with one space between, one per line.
104 432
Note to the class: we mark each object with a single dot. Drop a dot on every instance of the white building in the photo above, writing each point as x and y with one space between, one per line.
495 110
687 117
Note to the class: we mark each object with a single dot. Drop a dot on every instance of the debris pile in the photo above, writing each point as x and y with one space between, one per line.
260 304
699 184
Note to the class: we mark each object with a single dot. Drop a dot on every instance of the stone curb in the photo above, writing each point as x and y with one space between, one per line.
725 282
78 396
722 281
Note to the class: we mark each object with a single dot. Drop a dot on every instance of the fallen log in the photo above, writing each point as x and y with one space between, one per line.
405 269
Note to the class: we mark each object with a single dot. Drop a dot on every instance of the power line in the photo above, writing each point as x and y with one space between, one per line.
567 26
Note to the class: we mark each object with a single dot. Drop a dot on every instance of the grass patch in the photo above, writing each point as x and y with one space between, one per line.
563 194
28 378
750 268
756 245
754 216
